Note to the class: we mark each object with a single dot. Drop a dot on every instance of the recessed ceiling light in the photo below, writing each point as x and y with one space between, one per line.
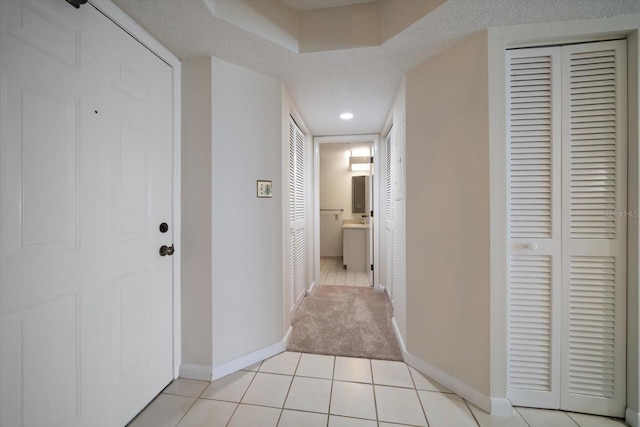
346 116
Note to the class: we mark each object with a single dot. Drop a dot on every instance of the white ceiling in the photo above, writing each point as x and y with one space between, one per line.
304 5
364 80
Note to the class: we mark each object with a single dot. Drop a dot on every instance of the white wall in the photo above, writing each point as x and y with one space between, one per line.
232 241
335 192
447 213
247 270
196 218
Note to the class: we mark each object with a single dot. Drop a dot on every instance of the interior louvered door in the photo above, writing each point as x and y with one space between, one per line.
297 258
534 227
388 217
594 227
567 228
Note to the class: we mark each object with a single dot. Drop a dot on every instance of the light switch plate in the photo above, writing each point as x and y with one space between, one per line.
265 189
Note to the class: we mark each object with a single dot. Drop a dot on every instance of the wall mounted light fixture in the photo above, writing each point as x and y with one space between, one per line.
360 163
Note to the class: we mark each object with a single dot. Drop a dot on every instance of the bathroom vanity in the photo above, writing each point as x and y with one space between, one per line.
354 246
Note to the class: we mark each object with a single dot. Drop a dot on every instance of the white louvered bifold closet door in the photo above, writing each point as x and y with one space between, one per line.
297 257
567 231
534 226
594 232
388 217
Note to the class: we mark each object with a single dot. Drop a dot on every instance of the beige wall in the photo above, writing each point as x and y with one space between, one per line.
339 28
196 215
397 15
270 19
447 218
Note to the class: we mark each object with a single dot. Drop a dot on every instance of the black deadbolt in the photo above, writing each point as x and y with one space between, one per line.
164 227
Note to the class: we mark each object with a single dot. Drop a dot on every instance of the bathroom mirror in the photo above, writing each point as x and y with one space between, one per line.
358 194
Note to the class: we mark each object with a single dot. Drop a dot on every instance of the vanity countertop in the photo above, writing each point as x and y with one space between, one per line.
356 226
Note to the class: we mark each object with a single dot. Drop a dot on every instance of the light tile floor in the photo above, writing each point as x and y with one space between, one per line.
309 390
332 272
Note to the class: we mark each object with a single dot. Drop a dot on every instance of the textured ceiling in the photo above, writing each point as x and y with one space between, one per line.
363 81
303 5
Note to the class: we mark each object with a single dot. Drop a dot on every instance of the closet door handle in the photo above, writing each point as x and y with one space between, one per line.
532 246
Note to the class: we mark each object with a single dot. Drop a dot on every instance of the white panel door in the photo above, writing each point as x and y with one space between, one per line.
567 229
85 181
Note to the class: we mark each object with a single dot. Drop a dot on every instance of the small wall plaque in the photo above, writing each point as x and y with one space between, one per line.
265 189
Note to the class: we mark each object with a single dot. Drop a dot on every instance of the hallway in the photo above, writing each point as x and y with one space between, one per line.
295 390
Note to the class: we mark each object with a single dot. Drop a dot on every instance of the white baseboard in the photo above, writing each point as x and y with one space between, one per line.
313 285
287 337
632 417
460 388
195 372
396 331
252 358
501 407
493 405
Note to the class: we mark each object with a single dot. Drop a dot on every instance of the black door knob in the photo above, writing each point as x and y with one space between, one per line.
166 250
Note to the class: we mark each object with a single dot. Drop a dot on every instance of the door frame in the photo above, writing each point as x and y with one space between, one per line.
374 139
498 40
125 22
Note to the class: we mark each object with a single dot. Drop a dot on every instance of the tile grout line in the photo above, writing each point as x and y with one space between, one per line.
290 385
571 418
255 374
373 388
333 375
471 412
521 416
192 405
187 411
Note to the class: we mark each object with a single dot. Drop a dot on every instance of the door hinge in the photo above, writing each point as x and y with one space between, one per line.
371 214
371 267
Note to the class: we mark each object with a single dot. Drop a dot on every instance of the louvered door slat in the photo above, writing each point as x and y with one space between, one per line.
292 268
297 215
388 201
530 136
592 151
300 181
301 265
592 322
292 171
593 75
530 345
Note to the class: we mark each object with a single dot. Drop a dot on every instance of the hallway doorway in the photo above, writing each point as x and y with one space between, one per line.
345 202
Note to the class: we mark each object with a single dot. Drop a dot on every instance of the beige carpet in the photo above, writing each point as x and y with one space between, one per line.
345 321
